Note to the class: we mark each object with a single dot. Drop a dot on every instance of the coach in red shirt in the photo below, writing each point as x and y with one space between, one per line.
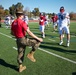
19 29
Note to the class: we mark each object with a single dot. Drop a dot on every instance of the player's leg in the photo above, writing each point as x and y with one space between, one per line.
21 52
42 31
6 23
68 40
54 27
61 40
35 44
61 36
40 28
68 35
63 33
45 25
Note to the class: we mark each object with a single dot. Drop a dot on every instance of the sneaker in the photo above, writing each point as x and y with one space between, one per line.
68 44
22 68
61 43
31 57
43 36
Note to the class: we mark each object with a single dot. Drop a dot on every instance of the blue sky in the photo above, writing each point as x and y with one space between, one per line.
48 6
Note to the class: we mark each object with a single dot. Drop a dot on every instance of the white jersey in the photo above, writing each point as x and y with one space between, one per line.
26 19
62 19
12 18
63 23
7 20
46 20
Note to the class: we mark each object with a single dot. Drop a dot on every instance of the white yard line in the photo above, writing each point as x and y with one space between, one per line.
57 56
15 48
6 35
74 62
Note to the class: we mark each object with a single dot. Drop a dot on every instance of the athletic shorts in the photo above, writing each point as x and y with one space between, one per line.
46 22
42 28
64 29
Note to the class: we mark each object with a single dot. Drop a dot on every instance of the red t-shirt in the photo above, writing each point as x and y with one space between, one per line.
54 19
19 28
41 21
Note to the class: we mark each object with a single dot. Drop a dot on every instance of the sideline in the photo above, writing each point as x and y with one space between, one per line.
74 62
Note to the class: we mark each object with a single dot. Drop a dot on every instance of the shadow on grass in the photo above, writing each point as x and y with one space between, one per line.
34 28
4 63
74 73
74 34
37 33
56 48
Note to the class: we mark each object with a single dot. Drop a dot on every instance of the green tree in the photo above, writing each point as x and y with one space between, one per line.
12 10
6 12
36 12
15 8
19 7
72 16
1 11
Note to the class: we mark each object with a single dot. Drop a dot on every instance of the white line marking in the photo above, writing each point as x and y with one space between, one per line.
6 35
53 55
45 51
57 56
15 48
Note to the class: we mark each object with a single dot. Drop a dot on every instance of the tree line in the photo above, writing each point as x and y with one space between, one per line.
34 13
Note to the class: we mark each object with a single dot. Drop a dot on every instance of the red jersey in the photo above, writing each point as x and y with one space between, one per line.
54 19
41 21
45 18
19 27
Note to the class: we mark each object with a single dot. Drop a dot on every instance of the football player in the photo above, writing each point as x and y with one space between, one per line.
42 26
63 25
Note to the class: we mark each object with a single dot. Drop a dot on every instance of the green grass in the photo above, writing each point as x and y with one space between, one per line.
46 64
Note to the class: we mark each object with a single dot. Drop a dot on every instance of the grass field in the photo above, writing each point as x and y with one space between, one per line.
52 59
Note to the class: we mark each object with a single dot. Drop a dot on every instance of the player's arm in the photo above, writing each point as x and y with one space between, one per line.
41 20
67 15
69 22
